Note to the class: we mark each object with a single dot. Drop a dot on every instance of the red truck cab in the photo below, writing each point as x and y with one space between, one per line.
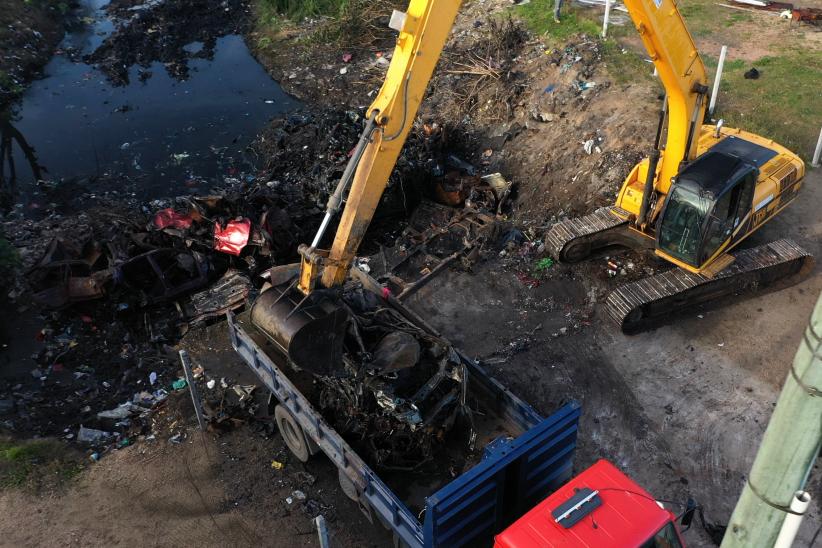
599 508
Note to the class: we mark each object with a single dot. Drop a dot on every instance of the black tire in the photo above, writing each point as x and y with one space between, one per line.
292 433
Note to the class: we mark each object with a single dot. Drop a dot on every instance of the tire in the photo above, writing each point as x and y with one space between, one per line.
292 433
347 486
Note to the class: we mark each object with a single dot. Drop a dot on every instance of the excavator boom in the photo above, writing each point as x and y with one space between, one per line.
674 54
423 30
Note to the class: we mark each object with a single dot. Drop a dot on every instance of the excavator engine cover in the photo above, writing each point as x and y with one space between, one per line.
312 337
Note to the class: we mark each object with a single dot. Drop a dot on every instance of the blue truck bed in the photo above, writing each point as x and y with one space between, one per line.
514 473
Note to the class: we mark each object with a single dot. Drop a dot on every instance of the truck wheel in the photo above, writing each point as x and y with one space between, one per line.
292 433
347 486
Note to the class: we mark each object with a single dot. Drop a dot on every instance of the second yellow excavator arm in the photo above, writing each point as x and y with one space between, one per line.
674 54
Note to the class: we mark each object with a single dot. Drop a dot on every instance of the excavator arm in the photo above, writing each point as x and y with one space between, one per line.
423 31
674 54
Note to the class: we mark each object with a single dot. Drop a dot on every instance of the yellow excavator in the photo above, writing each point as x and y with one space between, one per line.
694 199
699 194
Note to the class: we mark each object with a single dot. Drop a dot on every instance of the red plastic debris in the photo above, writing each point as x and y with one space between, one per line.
527 281
233 238
386 293
347 57
169 218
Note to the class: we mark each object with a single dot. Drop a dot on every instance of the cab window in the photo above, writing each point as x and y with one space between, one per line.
727 214
680 230
665 538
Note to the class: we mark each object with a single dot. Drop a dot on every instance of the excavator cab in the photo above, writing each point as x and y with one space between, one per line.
709 205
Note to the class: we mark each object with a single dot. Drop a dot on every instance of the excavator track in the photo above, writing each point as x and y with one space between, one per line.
645 304
573 240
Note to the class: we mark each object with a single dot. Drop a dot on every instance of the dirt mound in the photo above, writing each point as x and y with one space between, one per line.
553 120
166 32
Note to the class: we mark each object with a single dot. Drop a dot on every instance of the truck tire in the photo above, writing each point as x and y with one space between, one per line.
292 433
347 486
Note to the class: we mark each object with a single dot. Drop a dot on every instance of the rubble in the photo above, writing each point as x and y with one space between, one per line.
29 31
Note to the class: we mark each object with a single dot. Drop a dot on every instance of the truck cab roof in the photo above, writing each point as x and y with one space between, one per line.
600 507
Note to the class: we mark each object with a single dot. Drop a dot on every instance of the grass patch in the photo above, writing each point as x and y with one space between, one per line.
9 258
301 9
36 464
8 85
783 104
349 23
704 18
539 16
626 66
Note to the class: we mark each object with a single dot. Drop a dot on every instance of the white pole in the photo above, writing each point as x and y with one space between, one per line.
717 78
607 15
799 504
818 151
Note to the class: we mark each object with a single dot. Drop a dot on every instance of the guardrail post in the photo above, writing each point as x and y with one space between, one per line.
605 19
717 78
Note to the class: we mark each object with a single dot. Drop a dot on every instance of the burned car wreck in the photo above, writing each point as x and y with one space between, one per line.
389 388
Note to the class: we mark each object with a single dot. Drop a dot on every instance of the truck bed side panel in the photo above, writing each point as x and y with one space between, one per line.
512 477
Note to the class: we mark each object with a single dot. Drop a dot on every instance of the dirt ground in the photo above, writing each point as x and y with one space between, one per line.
681 409
209 490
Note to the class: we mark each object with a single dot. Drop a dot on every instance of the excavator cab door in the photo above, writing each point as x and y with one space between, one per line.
730 215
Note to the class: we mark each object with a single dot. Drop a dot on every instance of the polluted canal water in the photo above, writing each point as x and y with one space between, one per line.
153 137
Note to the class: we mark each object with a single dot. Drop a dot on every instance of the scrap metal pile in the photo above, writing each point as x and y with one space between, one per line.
117 284
391 388
398 390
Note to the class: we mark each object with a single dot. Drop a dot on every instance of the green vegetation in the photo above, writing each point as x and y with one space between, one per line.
9 259
354 23
624 65
705 18
300 9
36 464
59 5
539 16
8 85
782 104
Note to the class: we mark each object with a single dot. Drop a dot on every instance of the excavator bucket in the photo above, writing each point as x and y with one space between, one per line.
310 331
